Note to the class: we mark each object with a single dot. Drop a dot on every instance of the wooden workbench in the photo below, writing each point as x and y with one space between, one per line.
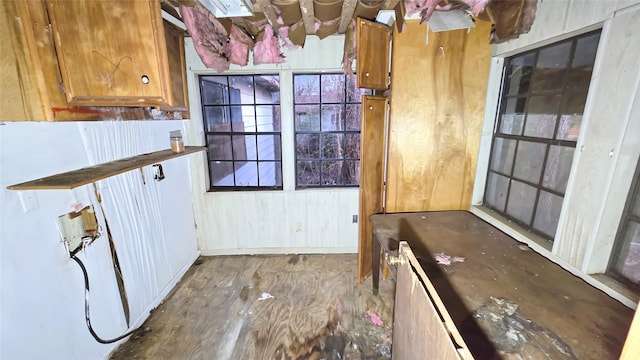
502 287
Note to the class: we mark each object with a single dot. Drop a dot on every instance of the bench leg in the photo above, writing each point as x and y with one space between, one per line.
375 259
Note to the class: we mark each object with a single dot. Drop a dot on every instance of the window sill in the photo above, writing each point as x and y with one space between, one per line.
543 247
537 243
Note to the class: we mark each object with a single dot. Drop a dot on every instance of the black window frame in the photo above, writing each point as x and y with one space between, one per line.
616 259
548 142
229 104
320 132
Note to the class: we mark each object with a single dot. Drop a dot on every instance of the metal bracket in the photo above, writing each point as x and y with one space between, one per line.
394 260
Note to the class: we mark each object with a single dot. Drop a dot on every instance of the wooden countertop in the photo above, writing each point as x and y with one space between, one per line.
589 322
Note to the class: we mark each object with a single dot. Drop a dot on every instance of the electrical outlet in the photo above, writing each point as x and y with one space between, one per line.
354 219
28 200
78 228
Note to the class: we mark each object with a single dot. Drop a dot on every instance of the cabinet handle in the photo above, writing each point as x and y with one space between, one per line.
144 79
366 74
370 107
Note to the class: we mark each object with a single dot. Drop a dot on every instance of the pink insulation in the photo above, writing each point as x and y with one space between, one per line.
476 6
241 44
267 50
209 38
283 33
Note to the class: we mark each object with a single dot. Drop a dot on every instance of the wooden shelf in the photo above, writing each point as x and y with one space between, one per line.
75 178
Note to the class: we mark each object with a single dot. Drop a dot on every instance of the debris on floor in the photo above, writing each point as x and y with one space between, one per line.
265 296
225 308
375 319
447 260
513 335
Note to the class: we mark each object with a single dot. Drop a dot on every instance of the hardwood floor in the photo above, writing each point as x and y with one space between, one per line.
268 307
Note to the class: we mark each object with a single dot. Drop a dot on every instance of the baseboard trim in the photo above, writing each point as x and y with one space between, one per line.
265 251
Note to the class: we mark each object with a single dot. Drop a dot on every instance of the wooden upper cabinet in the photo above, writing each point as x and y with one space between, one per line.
372 59
114 53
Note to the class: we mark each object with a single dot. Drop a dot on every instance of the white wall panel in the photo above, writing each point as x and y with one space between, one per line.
557 19
608 118
609 142
42 289
302 221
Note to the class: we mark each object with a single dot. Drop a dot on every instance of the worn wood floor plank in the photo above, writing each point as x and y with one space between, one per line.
316 312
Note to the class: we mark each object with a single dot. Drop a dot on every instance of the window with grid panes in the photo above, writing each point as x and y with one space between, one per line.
327 130
543 97
241 115
625 260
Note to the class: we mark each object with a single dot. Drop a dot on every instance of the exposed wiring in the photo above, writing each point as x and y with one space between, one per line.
87 312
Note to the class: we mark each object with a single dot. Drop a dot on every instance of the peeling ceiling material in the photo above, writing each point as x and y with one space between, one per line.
289 19
368 9
327 17
267 48
210 38
510 18
241 44
349 54
220 42
288 11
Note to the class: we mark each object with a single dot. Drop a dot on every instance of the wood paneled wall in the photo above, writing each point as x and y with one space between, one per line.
437 106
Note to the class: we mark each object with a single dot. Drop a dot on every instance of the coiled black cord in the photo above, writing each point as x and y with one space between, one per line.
86 309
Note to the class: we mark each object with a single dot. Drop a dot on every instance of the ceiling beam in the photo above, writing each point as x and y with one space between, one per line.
348 8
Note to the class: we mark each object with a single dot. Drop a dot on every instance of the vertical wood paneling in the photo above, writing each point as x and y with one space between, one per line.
19 97
437 108
373 114
599 251
584 13
607 114
303 221
278 222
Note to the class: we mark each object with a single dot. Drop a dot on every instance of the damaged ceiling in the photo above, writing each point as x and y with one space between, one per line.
226 39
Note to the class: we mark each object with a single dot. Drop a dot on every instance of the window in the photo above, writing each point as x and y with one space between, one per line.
625 260
241 117
327 130
543 97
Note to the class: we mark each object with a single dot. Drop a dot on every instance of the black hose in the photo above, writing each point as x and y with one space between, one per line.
86 309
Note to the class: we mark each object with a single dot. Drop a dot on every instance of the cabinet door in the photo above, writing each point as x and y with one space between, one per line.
372 138
177 68
372 59
111 52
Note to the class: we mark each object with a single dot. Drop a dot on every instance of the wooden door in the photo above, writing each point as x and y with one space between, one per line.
422 327
372 59
372 138
111 52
